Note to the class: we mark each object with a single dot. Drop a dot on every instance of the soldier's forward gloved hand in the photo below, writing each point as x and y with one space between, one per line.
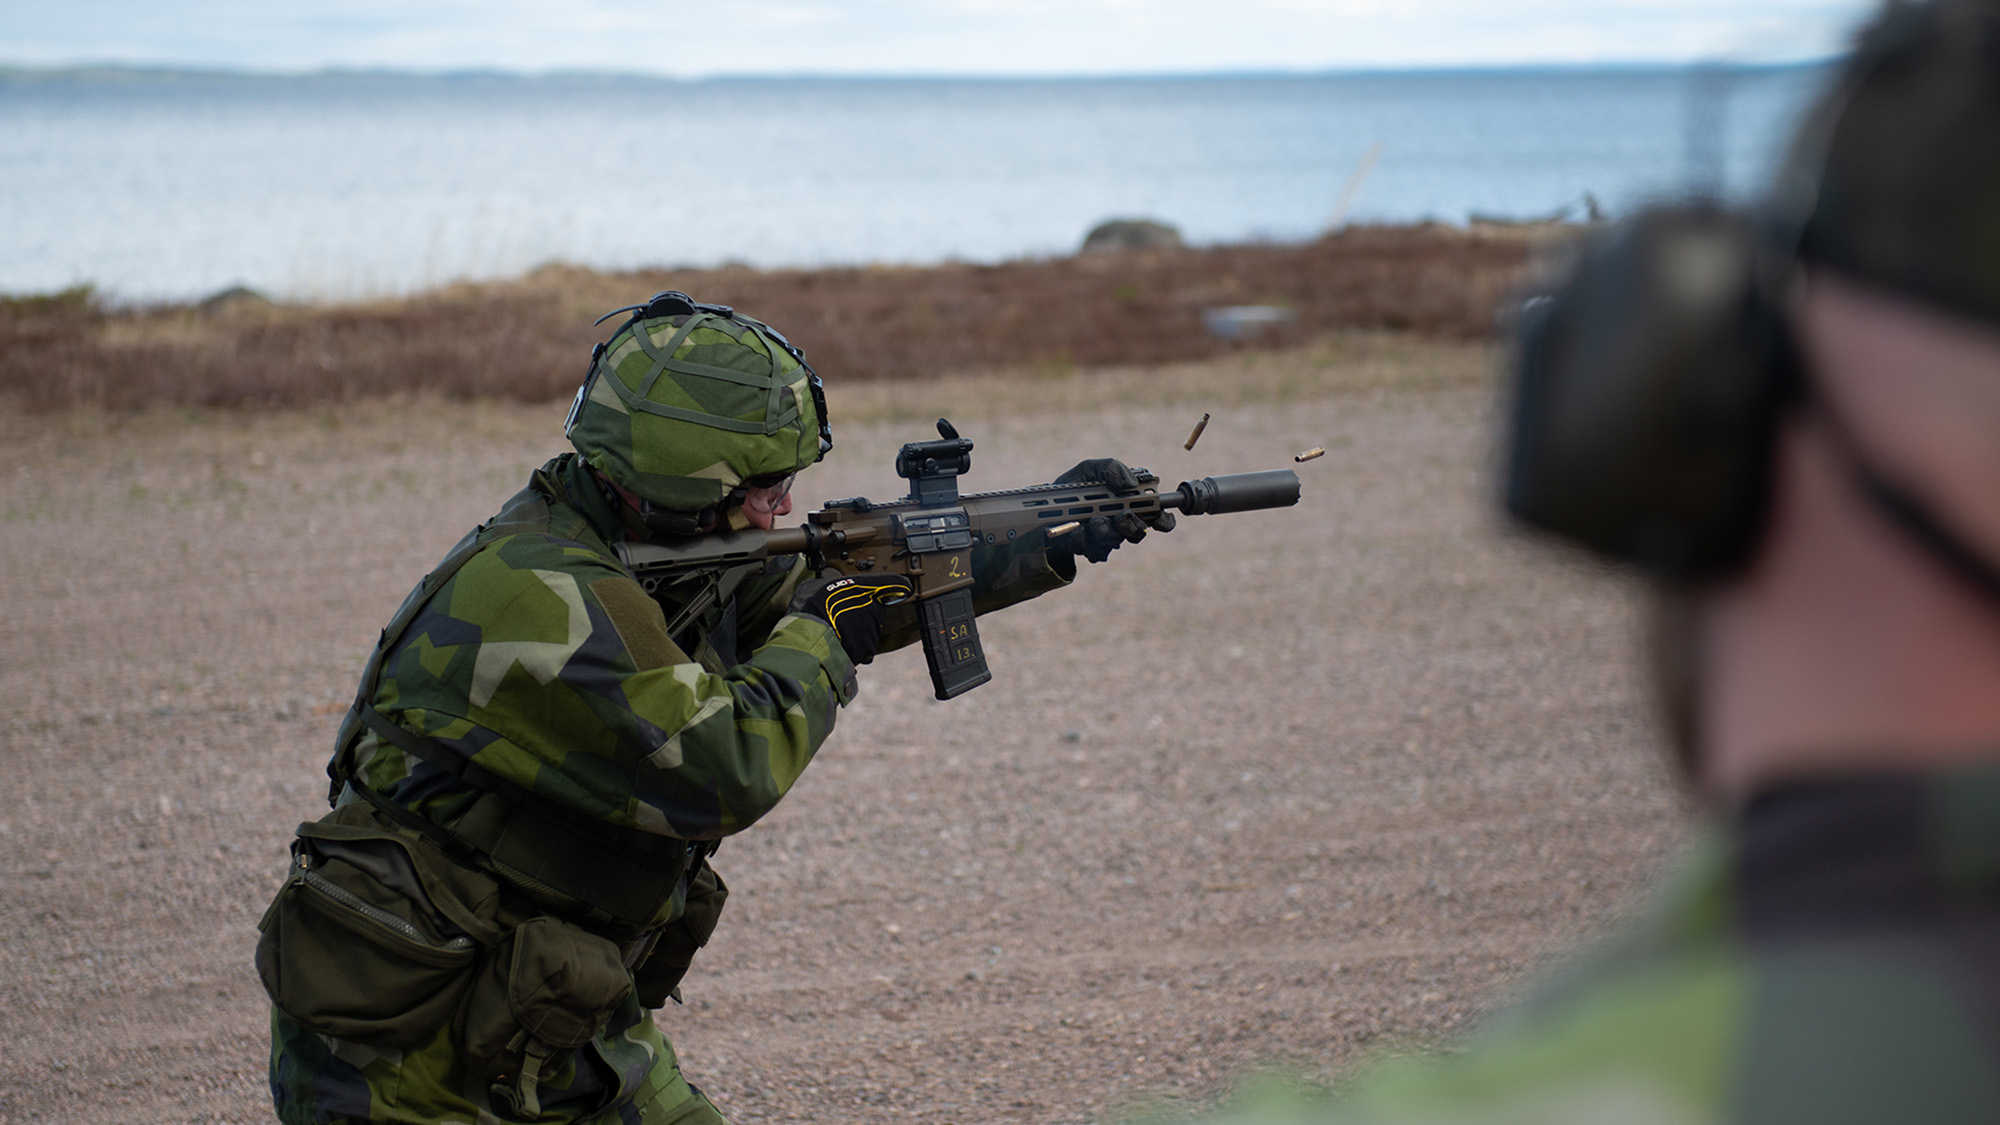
1101 535
855 605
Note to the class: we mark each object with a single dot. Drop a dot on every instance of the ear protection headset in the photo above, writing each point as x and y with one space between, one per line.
1649 385
1647 393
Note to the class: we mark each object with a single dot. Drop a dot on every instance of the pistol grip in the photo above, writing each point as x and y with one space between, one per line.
951 643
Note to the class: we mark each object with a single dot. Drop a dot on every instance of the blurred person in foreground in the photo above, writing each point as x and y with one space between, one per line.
542 756
1790 420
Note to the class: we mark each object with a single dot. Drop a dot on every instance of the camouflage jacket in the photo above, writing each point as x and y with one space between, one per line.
537 658
541 661
1830 955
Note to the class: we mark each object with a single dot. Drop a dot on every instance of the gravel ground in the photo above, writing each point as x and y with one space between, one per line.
1283 788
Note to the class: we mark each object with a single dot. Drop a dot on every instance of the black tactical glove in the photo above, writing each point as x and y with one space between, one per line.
1101 535
855 605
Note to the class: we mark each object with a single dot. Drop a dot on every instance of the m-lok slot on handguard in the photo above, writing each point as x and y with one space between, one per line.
930 536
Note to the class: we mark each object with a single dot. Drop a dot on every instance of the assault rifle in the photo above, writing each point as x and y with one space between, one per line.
929 536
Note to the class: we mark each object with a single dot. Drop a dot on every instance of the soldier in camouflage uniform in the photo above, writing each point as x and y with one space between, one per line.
1831 950
542 756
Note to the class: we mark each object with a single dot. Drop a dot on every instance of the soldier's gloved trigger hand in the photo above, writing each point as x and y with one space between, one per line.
855 606
1101 535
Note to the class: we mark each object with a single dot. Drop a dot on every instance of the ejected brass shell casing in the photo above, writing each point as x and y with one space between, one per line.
1064 528
1198 428
1313 454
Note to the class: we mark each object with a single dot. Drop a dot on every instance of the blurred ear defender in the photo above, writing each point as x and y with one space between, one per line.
1647 391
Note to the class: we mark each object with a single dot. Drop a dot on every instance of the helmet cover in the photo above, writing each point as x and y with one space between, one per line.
682 408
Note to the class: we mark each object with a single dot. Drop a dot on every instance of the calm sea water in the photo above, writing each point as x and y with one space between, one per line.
159 186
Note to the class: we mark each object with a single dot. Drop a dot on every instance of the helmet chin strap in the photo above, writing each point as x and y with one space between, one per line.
727 515
1906 511
638 513
677 524
660 521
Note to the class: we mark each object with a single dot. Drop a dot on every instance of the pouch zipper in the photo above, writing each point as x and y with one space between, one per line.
374 913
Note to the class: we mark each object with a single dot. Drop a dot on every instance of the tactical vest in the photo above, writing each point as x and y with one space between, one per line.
620 882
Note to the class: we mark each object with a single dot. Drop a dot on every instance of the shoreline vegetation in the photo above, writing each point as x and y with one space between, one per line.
527 339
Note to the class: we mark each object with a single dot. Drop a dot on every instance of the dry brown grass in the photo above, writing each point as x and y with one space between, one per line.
526 340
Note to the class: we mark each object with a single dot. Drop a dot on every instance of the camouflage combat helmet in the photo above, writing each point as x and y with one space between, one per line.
687 403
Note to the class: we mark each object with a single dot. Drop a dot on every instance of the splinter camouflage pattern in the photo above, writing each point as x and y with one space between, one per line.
542 661
1832 956
627 1075
672 400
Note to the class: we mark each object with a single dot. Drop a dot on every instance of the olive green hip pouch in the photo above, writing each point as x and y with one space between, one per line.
378 937
375 934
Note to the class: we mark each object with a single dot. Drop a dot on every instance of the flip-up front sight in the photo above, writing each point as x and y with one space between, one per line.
933 467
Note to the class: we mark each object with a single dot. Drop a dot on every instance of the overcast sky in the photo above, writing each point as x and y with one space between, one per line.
1025 37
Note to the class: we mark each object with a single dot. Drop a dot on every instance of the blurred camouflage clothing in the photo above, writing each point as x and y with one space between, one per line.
1833 955
542 663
